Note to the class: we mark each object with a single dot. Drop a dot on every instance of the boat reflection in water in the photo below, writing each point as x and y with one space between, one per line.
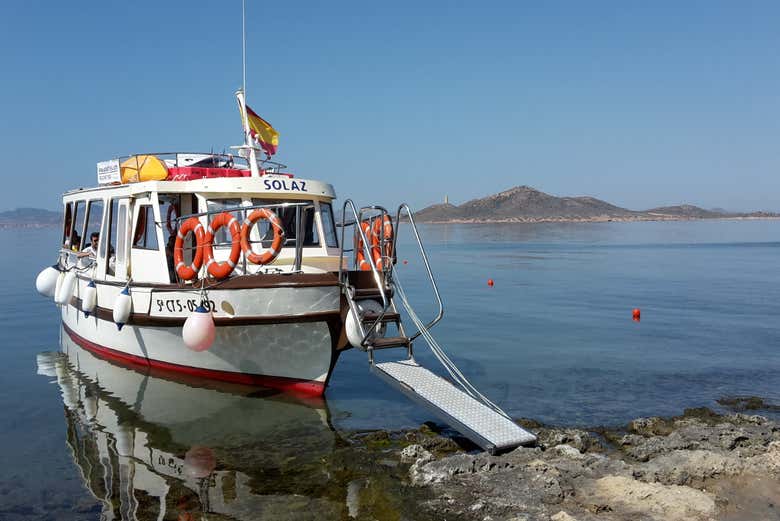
151 448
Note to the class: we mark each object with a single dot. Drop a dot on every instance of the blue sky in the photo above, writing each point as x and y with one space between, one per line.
638 103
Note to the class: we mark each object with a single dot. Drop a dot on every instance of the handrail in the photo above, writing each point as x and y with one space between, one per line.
409 213
230 159
241 208
344 279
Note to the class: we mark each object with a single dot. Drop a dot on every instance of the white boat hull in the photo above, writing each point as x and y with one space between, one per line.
283 338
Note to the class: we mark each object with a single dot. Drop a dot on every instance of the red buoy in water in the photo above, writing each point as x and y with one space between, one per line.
406 261
636 315
490 282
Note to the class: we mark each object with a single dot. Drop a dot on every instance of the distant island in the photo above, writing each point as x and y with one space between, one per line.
521 204
524 204
30 218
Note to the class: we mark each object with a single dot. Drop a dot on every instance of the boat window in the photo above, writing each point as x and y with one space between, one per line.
222 238
145 235
170 211
328 225
94 216
67 222
107 247
286 215
121 227
94 221
77 235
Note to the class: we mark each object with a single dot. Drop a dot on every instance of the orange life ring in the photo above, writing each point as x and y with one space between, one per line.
182 270
373 230
221 270
360 256
276 246
383 228
171 209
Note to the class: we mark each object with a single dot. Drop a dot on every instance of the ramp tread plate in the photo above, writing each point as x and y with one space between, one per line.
475 416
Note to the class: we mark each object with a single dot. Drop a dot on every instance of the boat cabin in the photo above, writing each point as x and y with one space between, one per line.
128 230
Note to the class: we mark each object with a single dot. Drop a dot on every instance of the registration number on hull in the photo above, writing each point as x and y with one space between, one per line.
180 304
167 306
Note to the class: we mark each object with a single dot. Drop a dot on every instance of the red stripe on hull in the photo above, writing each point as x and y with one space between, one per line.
292 385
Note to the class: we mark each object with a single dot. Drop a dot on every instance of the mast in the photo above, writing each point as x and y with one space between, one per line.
248 146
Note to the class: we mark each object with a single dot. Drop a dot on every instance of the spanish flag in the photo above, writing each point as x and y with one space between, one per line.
262 132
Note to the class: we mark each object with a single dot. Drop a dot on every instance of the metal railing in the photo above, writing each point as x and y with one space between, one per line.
410 215
344 274
299 231
219 160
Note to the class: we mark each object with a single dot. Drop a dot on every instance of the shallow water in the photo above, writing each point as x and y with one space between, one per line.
553 340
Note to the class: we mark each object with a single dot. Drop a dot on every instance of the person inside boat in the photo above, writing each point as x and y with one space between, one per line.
75 241
169 246
91 248
89 254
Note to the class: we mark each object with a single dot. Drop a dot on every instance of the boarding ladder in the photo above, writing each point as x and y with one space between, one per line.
458 404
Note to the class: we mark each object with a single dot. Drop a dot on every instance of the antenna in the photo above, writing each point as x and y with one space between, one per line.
243 42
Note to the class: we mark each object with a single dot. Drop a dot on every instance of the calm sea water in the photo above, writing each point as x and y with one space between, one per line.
552 340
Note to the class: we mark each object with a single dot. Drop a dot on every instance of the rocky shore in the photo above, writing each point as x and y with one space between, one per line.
697 466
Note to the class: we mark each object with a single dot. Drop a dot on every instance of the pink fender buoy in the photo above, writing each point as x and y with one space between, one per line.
199 461
199 329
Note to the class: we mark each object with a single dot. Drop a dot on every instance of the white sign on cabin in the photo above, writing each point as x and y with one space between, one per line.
108 172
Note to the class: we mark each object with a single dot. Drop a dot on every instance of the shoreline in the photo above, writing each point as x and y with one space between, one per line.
540 220
700 465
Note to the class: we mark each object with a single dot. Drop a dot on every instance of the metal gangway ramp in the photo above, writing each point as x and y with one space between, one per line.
472 418
459 404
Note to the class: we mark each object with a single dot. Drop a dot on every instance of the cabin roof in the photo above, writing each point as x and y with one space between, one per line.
275 186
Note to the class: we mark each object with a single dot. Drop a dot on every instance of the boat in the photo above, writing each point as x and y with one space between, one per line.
228 267
148 446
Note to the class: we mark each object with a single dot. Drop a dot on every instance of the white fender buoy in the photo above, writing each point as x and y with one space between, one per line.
58 285
46 281
125 440
46 363
89 298
199 329
66 289
353 324
68 388
90 403
123 305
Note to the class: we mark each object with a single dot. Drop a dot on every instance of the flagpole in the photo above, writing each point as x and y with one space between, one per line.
248 145
241 96
243 41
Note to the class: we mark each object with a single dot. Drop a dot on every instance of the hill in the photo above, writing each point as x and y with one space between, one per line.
30 217
526 204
